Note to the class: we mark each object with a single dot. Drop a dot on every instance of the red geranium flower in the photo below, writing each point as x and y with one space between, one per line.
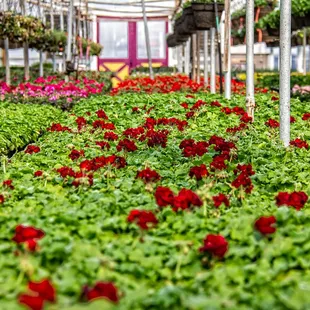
272 123
215 104
219 199
274 98
38 173
103 144
265 225
292 119
184 105
299 143
189 115
1 199
218 163
81 122
32 149
110 136
215 245
306 116
59 127
101 290
199 172
164 196
75 154
185 199
126 145
134 133
148 175
295 199
135 109
101 114
8 184
245 118
66 171
144 219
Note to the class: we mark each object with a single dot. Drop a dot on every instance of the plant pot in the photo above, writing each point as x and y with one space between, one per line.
238 41
171 40
274 43
186 25
273 32
297 22
204 15
180 38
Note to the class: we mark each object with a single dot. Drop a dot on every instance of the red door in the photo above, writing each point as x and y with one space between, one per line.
124 47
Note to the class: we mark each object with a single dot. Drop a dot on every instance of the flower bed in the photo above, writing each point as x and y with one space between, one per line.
163 201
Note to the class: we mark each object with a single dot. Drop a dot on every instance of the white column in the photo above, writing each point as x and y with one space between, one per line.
198 56
206 57
187 52
6 54
194 43
227 50
212 54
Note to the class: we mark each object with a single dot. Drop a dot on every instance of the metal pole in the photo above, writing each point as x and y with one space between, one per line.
147 41
219 45
6 54
250 99
41 69
198 57
194 43
52 28
304 59
179 58
62 28
26 45
187 49
69 42
285 70
212 73
206 57
227 55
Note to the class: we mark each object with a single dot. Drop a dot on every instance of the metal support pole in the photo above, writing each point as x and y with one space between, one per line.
6 54
198 57
206 57
41 69
62 28
227 55
304 52
250 99
179 58
218 30
212 54
194 43
26 45
285 70
187 52
147 40
52 28
69 42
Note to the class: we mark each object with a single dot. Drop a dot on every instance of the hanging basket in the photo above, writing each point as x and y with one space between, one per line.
204 15
186 24
297 23
171 40
273 32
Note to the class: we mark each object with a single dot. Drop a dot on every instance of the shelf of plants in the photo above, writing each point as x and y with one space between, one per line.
156 201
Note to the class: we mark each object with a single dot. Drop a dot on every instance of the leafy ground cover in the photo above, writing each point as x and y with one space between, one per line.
20 125
167 201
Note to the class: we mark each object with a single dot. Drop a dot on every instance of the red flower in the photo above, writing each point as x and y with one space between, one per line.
126 145
40 293
148 175
135 109
66 171
306 116
198 105
215 245
299 143
184 105
8 184
247 169
265 225
32 149
101 114
274 98
28 235
134 133
295 199
38 173
272 123
246 118
103 144
157 138
81 122
185 199
226 110
219 199
1 199
110 136
292 119
215 104
75 154
189 115
218 163
144 219
243 180
164 196
58 127
199 172
101 290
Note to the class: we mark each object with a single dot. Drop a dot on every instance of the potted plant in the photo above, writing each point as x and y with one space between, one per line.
171 40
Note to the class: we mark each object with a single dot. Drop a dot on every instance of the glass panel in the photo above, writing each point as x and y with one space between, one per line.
113 36
157 31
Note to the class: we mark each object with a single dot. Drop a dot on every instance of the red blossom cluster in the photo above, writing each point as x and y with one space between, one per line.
198 172
274 98
32 149
126 145
99 123
38 173
8 184
135 109
75 154
292 119
190 148
144 219
1 199
134 133
103 145
156 138
299 143
184 105
235 129
110 136
148 175
215 104
81 122
58 127
184 200
243 179
28 235
245 118
102 114
216 245
189 115
306 117
172 121
265 225
198 105
105 290
219 199
295 199
272 123
39 293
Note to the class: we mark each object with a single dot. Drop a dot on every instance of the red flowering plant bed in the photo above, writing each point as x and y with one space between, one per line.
128 203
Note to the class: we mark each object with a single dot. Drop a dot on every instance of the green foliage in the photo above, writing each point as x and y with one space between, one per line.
88 237
20 124
157 70
273 79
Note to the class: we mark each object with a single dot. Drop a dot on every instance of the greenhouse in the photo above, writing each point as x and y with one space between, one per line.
154 154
